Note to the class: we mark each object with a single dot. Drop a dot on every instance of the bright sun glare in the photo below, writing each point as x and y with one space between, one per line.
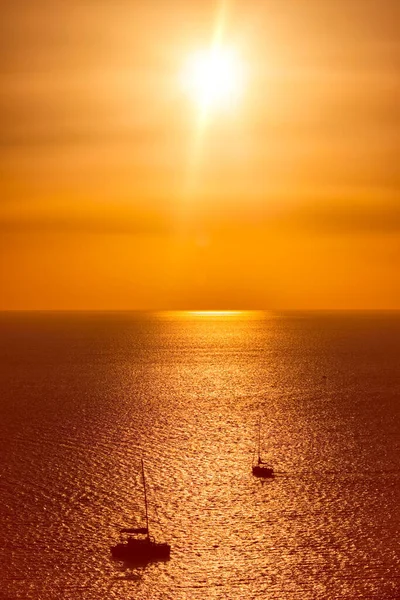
214 78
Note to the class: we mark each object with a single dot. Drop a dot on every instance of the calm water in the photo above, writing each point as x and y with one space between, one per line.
85 396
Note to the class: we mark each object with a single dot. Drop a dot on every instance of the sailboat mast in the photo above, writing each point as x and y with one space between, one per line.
145 499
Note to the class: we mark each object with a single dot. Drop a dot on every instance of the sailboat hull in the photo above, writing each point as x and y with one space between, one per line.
261 471
141 551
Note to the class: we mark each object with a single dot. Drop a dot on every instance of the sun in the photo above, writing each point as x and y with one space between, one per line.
214 78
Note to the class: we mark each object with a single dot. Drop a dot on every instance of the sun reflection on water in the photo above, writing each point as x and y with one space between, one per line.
186 315
216 313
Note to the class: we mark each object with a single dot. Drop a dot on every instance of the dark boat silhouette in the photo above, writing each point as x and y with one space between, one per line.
140 547
261 468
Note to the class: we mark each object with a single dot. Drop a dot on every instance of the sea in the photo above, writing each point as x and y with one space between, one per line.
85 396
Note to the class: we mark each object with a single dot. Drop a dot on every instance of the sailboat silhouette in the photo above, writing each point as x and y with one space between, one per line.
144 548
261 468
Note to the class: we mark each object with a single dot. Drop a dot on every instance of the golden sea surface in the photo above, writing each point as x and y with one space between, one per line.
85 396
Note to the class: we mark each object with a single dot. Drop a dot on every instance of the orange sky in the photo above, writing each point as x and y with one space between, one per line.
112 198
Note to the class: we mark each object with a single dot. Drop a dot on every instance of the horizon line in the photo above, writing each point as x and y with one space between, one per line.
198 311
